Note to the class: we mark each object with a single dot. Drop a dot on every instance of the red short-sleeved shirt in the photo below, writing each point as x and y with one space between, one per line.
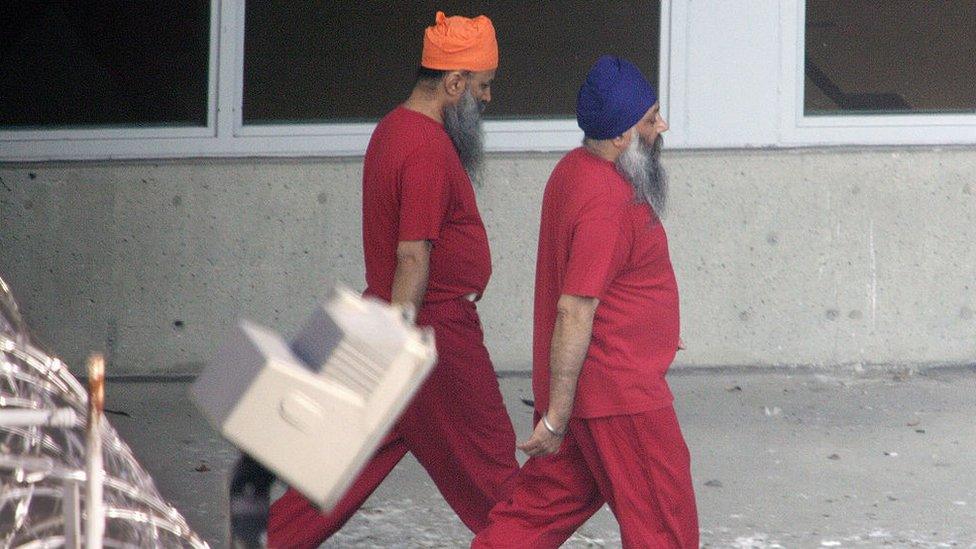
415 188
595 241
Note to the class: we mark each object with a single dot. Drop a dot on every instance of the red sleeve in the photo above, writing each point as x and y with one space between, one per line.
425 193
598 250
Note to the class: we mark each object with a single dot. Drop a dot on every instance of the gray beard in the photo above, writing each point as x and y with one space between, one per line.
463 124
641 165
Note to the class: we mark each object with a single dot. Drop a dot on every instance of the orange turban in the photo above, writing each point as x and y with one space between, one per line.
460 43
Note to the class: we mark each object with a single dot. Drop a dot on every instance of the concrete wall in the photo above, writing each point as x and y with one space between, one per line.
813 257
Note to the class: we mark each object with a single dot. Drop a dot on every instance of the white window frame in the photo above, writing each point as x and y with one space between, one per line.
709 102
350 139
101 143
798 129
225 135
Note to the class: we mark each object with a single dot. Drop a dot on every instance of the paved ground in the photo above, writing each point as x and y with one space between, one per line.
780 459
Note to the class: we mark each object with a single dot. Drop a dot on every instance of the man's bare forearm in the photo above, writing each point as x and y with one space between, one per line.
412 271
570 341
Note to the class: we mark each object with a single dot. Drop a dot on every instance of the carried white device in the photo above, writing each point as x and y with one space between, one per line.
315 411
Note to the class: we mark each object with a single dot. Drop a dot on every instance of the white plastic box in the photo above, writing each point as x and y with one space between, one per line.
313 412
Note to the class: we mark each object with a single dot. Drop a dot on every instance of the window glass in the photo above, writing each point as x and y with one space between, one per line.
327 61
103 63
890 56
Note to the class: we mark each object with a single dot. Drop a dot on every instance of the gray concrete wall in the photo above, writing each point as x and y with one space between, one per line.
814 257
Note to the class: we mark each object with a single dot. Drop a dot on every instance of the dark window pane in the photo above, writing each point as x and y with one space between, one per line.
345 61
890 56
103 63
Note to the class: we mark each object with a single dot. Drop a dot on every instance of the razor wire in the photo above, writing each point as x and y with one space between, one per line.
43 456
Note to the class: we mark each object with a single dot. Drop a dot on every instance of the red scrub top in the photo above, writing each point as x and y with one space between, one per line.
595 241
415 188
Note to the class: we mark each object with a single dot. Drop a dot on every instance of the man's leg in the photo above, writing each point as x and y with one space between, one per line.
249 493
554 495
643 469
458 427
295 523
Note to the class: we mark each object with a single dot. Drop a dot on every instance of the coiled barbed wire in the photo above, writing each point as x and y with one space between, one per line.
43 409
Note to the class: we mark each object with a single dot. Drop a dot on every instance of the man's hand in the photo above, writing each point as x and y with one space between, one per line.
406 311
542 442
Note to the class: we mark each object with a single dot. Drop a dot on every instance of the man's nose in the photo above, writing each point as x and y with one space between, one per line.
662 125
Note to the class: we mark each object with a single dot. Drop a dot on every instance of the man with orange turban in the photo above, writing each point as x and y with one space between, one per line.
426 249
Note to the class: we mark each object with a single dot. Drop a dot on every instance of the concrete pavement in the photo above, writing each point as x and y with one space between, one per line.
781 458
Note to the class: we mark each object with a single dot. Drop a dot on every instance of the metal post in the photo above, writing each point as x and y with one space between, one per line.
95 520
71 508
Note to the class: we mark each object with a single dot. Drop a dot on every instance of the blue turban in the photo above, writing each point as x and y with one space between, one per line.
613 98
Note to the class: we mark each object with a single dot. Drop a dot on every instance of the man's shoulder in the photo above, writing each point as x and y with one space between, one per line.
400 147
570 169
411 129
583 177
577 159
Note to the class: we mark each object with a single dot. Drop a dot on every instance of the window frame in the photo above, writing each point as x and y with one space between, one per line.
225 134
775 120
800 129
104 134
351 139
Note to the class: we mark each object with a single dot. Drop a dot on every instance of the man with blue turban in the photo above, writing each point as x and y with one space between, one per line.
606 331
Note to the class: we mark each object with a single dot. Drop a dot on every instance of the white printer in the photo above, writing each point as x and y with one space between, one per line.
315 411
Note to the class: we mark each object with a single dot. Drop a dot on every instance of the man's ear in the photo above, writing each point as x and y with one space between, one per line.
455 83
621 142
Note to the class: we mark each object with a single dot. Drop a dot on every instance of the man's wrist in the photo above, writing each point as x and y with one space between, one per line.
552 430
407 310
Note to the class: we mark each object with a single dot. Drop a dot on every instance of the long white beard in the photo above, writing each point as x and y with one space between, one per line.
641 165
463 124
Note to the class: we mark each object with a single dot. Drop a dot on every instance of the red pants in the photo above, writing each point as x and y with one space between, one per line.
638 464
456 426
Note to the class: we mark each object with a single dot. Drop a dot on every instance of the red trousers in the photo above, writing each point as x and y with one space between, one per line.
456 426
638 464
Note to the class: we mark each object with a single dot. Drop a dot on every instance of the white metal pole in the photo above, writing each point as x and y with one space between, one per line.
71 503
95 519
